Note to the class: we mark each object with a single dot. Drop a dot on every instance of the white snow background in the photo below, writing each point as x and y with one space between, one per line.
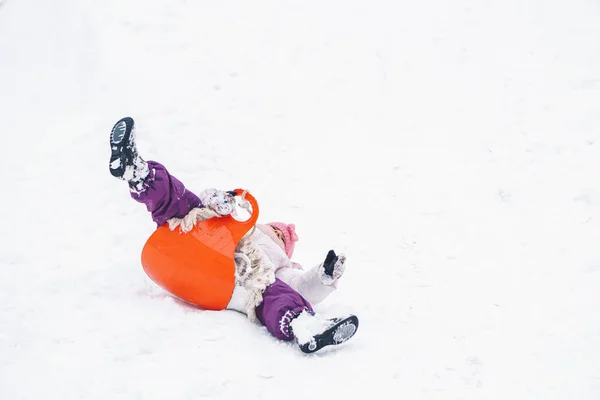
450 148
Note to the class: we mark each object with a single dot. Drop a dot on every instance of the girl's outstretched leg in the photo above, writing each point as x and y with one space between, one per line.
149 182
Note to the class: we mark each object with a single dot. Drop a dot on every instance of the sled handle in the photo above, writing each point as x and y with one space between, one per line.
254 215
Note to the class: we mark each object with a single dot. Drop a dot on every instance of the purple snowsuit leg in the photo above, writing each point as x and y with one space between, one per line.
280 305
164 195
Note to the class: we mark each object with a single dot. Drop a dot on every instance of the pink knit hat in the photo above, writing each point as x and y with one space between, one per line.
289 235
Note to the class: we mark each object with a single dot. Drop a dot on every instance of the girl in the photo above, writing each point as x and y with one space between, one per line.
269 287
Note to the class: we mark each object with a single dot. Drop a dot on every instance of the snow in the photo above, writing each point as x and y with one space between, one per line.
306 326
448 148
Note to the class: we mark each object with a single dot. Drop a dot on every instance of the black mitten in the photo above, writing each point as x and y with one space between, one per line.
329 263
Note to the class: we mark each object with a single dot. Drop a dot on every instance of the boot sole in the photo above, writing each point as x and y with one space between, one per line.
120 136
339 333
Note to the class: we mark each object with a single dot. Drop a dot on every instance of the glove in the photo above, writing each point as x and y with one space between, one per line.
333 266
329 263
223 203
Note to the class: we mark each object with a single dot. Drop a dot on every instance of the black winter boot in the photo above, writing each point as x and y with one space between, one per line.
125 163
313 332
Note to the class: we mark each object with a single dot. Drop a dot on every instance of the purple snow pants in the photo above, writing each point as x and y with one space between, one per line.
166 197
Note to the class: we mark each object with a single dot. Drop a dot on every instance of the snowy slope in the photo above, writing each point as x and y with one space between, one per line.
449 148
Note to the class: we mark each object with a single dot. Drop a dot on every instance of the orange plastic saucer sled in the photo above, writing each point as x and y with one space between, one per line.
198 266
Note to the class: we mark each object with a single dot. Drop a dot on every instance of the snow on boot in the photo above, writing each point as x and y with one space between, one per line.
125 163
313 332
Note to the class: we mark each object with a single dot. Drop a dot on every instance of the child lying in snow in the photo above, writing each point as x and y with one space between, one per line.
269 287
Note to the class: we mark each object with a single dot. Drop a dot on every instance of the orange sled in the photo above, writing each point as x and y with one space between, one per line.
198 266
